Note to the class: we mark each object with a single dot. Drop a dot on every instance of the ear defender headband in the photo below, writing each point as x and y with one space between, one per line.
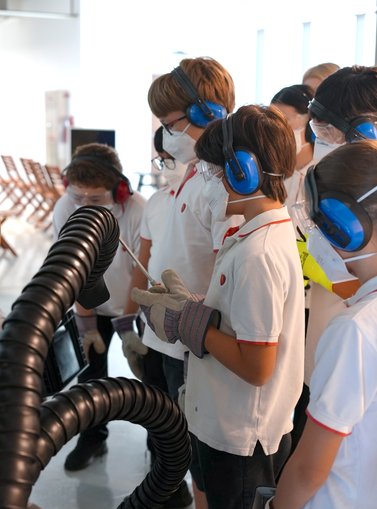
341 218
359 128
121 191
242 169
200 113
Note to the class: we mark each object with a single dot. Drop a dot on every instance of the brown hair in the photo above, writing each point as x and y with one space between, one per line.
98 171
351 169
211 80
262 130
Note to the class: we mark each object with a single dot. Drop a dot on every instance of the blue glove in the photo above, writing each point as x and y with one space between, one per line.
176 314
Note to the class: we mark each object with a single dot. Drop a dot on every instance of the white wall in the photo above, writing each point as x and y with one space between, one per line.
35 55
107 59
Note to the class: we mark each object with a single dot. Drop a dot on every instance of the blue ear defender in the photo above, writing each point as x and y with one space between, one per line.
363 127
199 118
200 113
243 172
360 128
341 219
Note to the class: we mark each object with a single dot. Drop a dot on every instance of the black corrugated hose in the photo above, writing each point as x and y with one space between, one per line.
31 432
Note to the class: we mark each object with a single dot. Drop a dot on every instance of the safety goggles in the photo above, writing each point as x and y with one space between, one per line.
160 163
210 171
80 197
327 132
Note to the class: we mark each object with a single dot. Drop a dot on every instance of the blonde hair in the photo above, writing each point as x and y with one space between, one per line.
320 71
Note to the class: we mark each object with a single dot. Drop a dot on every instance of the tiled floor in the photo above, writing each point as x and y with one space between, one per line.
106 482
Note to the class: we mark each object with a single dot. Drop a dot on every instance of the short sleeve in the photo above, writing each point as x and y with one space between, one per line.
258 286
343 381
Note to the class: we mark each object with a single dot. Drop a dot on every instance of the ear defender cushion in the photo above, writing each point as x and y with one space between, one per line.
365 126
342 213
250 179
197 116
122 191
341 219
65 181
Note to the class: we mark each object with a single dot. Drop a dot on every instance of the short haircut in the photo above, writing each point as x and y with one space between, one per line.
320 71
349 92
262 130
211 80
98 171
351 169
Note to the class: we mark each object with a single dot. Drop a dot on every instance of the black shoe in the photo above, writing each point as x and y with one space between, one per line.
83 454
180 499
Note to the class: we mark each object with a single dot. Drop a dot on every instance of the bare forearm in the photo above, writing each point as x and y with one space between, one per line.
252 363
308 467
294 488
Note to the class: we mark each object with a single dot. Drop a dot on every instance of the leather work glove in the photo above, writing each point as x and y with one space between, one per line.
311 269
87 327
133 348
177 314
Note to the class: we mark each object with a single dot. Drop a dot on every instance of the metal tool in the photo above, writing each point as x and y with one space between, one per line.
139 264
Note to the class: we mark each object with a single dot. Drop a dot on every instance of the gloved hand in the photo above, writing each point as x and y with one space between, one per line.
133 348
177 314
87 327
311 269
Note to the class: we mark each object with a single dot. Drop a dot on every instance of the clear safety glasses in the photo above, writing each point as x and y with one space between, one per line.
169 125
301 216
80 197
210 171
160 163
327 132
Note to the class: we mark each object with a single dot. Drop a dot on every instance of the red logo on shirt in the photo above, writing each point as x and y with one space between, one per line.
222 279
183 207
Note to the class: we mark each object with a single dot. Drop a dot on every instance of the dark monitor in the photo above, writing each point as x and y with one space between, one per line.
66 358
84 136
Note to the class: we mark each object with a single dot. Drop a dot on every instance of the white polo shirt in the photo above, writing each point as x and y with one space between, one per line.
118 275
343 398
190 242
257 286
153 224
152 228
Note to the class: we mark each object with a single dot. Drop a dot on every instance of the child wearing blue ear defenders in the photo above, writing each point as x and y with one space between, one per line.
335 462
246 339
186 100
344 110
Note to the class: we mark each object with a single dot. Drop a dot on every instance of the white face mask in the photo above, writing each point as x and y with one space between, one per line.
328 258
179 145
174 177
322 148
298 139
217 197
